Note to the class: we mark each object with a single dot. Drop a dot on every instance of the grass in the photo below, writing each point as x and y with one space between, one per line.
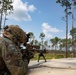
49 56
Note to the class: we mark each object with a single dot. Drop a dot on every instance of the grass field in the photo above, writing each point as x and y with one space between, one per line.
49 56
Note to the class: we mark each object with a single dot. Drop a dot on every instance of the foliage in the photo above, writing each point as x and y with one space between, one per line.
42 35
31 34
64 3
58 56
73 31
36 42
5 5
55 42
32 37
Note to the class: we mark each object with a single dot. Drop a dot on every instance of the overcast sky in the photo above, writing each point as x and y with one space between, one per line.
40 16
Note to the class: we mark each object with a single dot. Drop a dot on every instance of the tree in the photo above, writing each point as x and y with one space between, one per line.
46 44
73 31
67 5
69 43
5 6
55 42
36 42
63 43
73 34
39 44
73 4
42 35
32 37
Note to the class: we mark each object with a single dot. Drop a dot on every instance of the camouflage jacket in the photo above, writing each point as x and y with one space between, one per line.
8 49
11 55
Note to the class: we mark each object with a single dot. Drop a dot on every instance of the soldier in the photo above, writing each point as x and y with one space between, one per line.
41 55
10 42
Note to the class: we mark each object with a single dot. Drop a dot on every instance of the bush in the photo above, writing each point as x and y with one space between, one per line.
59 56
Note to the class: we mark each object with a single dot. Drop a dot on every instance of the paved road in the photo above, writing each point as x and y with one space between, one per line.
66 66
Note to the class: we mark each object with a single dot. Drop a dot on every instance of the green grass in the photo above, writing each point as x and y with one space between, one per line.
49 56
58 56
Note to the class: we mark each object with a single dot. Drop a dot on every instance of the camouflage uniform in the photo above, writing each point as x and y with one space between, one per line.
12 57
10 52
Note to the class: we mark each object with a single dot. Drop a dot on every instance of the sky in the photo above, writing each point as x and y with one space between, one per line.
39 16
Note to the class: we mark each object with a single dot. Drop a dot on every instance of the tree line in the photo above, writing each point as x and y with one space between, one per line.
56 43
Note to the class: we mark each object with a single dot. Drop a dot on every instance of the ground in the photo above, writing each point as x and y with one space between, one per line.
65 66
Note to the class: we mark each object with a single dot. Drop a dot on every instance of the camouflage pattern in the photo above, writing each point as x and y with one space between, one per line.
10 51
12 57
15 33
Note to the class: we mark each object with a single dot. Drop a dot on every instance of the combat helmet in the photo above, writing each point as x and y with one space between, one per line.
15 33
